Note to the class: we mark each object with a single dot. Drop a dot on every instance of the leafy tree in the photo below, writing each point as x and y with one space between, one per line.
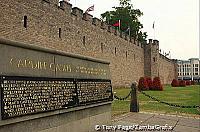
128 17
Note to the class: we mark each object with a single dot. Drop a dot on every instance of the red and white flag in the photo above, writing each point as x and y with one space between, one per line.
117 24
91 8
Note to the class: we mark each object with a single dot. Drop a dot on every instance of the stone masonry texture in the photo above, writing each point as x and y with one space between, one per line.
48 24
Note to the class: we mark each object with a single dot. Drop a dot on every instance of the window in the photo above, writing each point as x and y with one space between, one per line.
196 69
115 50
25 21
126 54
154 59
196 65
102 47
134 56
84 40
59 33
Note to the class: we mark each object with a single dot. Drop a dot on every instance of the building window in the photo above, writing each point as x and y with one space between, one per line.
25 21
126 54
196 65
59 32
102 47
115 50
154 59
134 57
84 40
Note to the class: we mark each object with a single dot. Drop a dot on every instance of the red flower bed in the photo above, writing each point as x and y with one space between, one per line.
188 82
149 82
175 83
143 85
157 84
182 83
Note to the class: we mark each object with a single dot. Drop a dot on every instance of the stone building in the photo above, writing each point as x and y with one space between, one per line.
48 24
189 69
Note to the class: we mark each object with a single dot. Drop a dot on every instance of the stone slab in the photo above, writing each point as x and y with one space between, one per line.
19 61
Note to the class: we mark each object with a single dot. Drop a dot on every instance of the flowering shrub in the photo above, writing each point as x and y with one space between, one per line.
143 85
182 83
175 83
157 84
149 82
188 82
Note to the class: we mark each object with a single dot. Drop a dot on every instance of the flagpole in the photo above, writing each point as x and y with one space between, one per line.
119 24
93 11
154 30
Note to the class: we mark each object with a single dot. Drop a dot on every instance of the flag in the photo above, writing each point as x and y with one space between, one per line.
91 8
153 25
117 24
128 30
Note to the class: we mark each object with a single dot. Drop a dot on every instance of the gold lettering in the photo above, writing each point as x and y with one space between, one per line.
52 66
77 69
57 67
20 64
34 66
67 68
25 63
45 65
11 61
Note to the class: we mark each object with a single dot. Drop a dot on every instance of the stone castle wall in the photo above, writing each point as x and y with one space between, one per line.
167 69
69 29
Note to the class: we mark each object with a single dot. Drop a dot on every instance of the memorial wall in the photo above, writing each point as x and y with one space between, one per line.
37 80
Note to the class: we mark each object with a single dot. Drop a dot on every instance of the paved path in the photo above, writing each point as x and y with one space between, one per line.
179 124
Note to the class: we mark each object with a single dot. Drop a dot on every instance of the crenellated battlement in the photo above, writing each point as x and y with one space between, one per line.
80 16
66 6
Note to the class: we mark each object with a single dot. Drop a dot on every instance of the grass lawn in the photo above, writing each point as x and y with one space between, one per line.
189 95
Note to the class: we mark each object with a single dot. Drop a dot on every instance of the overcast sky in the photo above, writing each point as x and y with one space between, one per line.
176 22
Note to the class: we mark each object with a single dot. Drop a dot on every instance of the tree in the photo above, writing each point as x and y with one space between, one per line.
128 17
